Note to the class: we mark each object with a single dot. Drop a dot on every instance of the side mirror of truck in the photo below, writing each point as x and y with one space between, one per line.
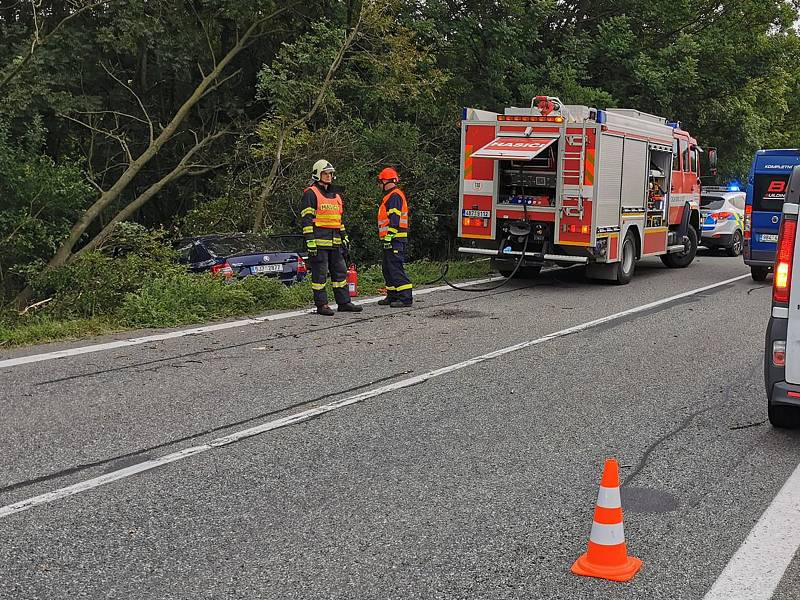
712 161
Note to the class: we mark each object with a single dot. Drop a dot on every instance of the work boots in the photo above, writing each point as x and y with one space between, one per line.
325 310
349 307
400 304
384 302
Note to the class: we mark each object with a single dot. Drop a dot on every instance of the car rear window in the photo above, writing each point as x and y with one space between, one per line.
711 202
254 243
769 192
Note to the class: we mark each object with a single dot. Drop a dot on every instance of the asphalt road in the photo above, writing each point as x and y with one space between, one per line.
477 483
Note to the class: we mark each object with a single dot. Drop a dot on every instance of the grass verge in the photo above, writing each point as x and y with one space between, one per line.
190 299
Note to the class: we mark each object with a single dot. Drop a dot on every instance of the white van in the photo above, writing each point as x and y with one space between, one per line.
782 352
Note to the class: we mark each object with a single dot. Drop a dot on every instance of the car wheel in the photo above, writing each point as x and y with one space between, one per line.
681 260
627 265
737 243
783 417
759 273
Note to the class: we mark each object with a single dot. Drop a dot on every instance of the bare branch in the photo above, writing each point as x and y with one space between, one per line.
105 132
111 112
135 95
271 179
181 169
34 305
205 31
222 82
65 251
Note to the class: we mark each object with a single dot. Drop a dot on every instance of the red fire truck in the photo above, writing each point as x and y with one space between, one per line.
575 185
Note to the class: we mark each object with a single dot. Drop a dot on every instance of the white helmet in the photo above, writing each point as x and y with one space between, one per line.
320 167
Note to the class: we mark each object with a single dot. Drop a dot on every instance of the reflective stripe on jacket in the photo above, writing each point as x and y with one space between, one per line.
393 215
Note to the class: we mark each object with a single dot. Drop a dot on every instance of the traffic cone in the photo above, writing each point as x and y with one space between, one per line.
607 556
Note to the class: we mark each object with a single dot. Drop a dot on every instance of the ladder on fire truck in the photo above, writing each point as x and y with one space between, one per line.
580 172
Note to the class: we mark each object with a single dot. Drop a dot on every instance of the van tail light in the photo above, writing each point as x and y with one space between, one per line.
748 221
301 265
779 353
782 284
223 269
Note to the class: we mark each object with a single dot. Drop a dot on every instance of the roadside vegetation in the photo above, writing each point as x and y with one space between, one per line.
133 281
191 118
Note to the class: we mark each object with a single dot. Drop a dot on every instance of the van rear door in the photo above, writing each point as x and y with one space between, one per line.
769 193
793 330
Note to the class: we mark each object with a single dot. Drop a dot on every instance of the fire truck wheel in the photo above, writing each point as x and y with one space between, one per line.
627 265
680 260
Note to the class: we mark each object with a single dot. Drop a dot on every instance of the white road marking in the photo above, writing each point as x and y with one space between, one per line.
335 405
33 358
756 569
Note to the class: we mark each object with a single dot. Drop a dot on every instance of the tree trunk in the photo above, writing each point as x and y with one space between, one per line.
108 197
77 231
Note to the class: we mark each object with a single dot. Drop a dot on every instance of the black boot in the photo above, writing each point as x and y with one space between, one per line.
350 307
325 310
400 304
384 302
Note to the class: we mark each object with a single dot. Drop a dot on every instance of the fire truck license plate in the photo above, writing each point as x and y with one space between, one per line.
481 214
768 237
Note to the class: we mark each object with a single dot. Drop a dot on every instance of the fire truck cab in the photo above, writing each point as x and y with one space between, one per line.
575 185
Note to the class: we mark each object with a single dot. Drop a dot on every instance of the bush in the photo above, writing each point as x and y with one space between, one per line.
97 282
185 298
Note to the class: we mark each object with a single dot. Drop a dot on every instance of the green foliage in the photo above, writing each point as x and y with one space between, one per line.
97 282
729 71
184 298
40 200
180 299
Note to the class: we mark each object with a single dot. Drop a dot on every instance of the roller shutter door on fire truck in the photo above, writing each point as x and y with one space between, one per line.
609 181
634 174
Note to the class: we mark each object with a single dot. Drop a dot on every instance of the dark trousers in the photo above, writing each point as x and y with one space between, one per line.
398 285
329 258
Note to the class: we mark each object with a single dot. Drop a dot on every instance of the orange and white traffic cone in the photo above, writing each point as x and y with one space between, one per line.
607 556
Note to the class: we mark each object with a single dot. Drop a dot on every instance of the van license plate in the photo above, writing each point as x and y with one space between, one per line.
769 237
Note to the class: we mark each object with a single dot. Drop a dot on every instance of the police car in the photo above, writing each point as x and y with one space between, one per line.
782 352
722 218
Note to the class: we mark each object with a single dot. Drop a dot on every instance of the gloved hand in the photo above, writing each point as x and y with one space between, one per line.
346 240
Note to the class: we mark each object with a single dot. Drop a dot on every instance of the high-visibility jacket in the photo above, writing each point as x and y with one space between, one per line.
321 217
393 215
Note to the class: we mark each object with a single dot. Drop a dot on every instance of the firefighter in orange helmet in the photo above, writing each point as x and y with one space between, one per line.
393 231
324 232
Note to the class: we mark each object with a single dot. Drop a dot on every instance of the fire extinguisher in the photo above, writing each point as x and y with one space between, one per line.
352 281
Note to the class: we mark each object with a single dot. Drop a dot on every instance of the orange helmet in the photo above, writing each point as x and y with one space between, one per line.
389 174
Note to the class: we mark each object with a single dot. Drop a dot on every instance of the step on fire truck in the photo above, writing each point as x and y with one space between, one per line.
576 185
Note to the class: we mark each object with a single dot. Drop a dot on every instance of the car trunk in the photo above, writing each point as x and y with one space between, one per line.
273 264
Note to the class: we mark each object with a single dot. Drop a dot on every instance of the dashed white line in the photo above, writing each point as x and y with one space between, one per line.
305 415
756 569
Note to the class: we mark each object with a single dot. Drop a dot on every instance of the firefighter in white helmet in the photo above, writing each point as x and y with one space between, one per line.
324 232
